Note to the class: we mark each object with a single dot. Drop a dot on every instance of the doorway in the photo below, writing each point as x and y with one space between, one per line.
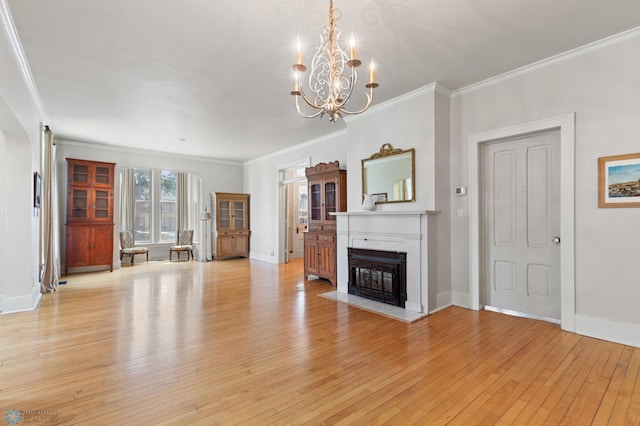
294 204
565 124
521 225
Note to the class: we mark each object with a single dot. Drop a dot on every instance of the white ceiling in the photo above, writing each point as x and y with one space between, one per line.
211 78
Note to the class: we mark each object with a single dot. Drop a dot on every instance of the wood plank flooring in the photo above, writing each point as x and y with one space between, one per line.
246 342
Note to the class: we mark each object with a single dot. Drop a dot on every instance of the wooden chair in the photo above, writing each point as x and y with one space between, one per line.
127 246
184 243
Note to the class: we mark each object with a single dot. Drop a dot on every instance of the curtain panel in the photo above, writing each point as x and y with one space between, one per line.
127 199
182 202
49 218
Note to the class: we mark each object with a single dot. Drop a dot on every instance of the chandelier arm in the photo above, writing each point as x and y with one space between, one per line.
302 113
313 104
366 106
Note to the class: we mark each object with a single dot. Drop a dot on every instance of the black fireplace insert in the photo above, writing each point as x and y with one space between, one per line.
379 275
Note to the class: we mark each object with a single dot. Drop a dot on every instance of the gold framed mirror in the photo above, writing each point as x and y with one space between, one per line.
389 175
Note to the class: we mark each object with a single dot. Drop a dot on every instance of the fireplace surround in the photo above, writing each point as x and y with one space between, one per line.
400 231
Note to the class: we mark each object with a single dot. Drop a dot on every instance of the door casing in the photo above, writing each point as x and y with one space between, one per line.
282 249
566 125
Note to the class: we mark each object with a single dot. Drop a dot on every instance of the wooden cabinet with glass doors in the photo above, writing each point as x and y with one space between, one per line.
231 233
327 188
89 224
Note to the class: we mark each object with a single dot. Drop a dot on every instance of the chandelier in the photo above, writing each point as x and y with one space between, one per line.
330 82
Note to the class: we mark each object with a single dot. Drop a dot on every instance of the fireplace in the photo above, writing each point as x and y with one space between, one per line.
378 275
397 231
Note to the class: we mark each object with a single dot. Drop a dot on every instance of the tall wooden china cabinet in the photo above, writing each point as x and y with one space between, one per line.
89 224
327 194
231 233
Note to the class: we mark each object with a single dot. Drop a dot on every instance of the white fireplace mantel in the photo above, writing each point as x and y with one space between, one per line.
386 213
402 231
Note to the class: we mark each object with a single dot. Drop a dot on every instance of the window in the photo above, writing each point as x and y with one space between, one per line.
142 213
168 206
154 204
155 208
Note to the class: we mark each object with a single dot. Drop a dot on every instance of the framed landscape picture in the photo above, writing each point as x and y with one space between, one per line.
619 181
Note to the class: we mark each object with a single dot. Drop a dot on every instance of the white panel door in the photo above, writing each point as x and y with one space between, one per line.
521 223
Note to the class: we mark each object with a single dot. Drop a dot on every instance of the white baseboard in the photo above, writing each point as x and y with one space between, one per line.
443 300
12 305
612 331
262 257
618 332
439 309
461 299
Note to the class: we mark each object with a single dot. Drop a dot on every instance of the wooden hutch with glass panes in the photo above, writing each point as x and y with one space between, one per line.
231 233
89 221
327 191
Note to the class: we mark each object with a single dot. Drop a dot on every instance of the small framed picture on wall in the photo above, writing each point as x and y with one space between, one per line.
619 181
37 189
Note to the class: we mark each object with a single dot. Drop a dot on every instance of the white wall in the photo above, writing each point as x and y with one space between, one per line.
440 231
21 289
20 118
600 84
3 217
216 176
406 122
261 181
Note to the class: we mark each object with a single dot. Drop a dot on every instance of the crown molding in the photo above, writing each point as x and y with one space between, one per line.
18 51
561 57
435 87
301 145
61 140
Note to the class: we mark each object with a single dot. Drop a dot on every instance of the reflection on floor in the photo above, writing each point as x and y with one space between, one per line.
394 312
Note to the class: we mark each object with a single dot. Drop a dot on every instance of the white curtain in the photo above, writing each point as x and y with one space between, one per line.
183 220
200 205
127 199
49 217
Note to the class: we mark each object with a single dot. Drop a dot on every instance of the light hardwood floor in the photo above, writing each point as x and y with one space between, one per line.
246 342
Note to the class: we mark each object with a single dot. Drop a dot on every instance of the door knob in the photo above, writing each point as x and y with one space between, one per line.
556 240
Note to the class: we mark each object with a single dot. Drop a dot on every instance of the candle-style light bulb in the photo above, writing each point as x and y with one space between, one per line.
352 44
372 69
299 55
